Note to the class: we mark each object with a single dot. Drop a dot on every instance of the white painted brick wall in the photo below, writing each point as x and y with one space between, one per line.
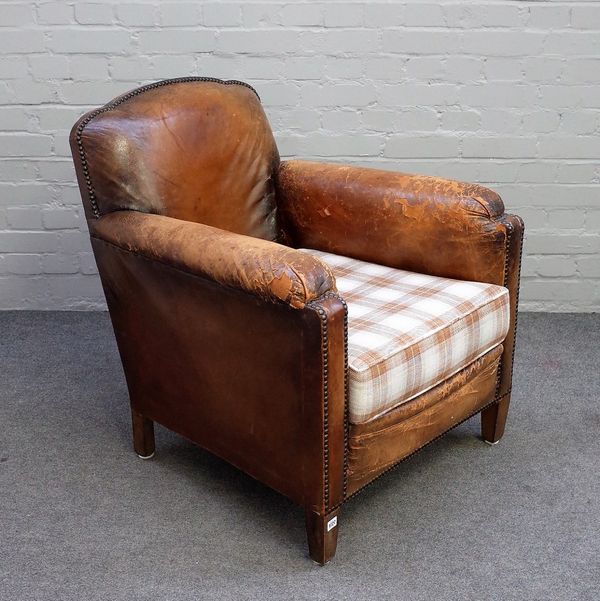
505 93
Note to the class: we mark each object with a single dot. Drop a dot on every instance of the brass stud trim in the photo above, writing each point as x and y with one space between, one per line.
314 304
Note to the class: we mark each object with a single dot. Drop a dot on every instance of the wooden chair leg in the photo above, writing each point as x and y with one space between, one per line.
322 532
143 435
493 420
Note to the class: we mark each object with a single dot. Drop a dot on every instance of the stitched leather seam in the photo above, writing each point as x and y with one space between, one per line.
115 103
507 245
327 294
395 465
346 403
325 375
509 240
314 304
517 292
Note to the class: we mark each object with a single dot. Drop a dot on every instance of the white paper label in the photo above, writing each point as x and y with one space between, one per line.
332 523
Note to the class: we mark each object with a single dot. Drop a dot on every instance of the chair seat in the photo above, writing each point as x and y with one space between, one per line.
408 332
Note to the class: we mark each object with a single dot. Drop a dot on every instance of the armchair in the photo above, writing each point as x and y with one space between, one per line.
312 324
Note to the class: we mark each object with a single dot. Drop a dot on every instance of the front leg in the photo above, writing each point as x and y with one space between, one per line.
322 532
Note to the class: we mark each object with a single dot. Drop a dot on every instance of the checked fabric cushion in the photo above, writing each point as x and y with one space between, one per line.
407 332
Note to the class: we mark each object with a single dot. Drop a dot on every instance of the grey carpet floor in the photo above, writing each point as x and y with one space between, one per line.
82 518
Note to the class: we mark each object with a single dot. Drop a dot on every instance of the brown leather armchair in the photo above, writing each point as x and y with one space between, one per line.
274 358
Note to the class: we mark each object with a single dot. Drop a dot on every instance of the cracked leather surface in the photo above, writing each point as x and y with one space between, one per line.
267 269
418 223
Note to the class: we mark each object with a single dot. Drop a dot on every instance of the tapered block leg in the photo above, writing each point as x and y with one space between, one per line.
322 532
143 435
493 420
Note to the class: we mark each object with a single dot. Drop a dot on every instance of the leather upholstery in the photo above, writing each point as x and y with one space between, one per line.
239 375
194 150
266 269
240 344
417 223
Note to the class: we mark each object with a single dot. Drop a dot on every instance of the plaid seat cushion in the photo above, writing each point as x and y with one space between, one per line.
407 332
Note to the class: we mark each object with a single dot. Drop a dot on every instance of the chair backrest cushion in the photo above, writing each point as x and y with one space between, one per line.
193 149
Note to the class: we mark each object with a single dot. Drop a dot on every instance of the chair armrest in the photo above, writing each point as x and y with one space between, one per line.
213 350
266 269
418 223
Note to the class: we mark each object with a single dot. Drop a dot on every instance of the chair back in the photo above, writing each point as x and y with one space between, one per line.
196 149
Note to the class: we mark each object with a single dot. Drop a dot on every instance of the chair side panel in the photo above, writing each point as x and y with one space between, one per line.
235 374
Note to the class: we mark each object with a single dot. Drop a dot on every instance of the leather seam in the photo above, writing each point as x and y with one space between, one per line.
510 231
507 244
117 102
314 304
325 391
517 292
